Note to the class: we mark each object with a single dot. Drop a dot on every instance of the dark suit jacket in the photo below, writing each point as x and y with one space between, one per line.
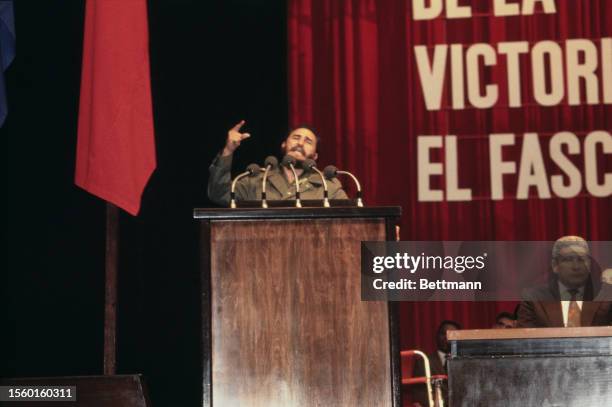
418 392
542 308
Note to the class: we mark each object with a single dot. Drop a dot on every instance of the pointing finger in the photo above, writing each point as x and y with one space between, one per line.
244 136
238 126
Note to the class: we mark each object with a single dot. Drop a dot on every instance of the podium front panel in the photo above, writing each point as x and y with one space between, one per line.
287 324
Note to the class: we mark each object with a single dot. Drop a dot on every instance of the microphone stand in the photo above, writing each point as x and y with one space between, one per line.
270 163
232 191
252 169
359 200
298 203
264 202
325 190
312 165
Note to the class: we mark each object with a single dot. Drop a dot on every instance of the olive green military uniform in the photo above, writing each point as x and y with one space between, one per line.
277 186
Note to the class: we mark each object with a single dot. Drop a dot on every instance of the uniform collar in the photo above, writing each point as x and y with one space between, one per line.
279 181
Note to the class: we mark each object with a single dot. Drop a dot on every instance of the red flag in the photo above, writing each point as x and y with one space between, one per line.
116 144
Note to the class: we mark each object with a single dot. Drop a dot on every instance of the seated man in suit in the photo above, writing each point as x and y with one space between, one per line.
437 364
568 299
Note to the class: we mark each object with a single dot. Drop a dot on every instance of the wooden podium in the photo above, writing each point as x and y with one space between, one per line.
531 367
283 321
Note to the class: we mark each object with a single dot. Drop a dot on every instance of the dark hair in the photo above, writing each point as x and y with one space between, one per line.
448 322
307 127
505 314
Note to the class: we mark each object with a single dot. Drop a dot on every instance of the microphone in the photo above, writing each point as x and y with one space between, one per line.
289 162
310 164
251 170
270 163
332 172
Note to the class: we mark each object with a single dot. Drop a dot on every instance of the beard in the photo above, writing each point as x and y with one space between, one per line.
300 150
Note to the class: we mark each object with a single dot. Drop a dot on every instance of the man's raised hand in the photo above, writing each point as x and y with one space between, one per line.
234 138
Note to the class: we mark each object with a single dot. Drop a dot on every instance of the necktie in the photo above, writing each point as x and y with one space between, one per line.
573 315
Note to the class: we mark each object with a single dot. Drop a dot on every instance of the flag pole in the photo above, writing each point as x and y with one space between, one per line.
115 153
110 292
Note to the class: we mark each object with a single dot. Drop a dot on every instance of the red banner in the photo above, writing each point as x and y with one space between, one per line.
484 120
116 145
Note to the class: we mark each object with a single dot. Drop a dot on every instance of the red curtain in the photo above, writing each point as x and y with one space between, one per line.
353 76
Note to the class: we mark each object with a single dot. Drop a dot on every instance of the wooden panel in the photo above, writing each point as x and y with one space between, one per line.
531 381
578 346
474 334
288 324
205 312
531 367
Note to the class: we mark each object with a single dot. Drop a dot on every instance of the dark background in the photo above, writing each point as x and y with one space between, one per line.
212 64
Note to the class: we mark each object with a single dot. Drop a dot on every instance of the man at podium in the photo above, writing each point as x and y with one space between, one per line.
568 299
301 144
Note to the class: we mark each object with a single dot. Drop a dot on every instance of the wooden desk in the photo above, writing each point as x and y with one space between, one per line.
531 367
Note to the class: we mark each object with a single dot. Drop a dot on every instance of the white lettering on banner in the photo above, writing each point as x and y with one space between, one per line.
548 6
532 175
578 74
503 8
532 171
457 76
573 173
431 75
586 70
512 50
509 75
450 170
498 166
551 51
427 168
420 11
428 10
606 68
473 54
590 160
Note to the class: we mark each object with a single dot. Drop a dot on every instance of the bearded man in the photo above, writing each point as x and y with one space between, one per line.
301 144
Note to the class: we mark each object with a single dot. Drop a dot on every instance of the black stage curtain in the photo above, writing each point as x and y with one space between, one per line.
212 64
